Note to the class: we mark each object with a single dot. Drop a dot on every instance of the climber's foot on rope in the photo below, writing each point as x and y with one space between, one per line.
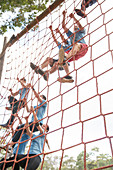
40 71
61 56
34 67
80 13
66 79
8 108
45 74
5 125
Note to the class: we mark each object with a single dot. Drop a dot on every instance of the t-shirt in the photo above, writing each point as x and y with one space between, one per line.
23 93
36 146
79 34
40 111
21 147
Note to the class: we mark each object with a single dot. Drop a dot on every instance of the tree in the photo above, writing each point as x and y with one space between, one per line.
94 159
80 160
50 163
19 13
68 163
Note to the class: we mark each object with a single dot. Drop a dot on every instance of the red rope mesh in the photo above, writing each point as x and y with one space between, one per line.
79 114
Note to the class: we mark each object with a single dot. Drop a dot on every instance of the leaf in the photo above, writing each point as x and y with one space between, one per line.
21 12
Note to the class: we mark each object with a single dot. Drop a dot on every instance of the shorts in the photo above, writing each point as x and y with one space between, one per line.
78 37
80 54
60 67
67 46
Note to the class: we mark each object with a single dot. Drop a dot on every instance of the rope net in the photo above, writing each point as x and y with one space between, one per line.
79 114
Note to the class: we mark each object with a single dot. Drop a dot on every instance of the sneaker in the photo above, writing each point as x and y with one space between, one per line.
34 67
40 71
5 125
46 76
8 108
80 13
66 79
61 56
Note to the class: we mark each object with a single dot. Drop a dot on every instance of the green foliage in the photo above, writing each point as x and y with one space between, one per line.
68 163
94 159
50 163
19 13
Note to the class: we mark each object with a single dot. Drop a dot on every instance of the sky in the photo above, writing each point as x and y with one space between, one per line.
80 112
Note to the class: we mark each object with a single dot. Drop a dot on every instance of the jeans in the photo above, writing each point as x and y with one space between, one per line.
32 164
9 164
16 106
19 131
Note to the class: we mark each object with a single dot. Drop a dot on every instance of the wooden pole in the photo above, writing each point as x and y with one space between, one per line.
32 24
2 57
